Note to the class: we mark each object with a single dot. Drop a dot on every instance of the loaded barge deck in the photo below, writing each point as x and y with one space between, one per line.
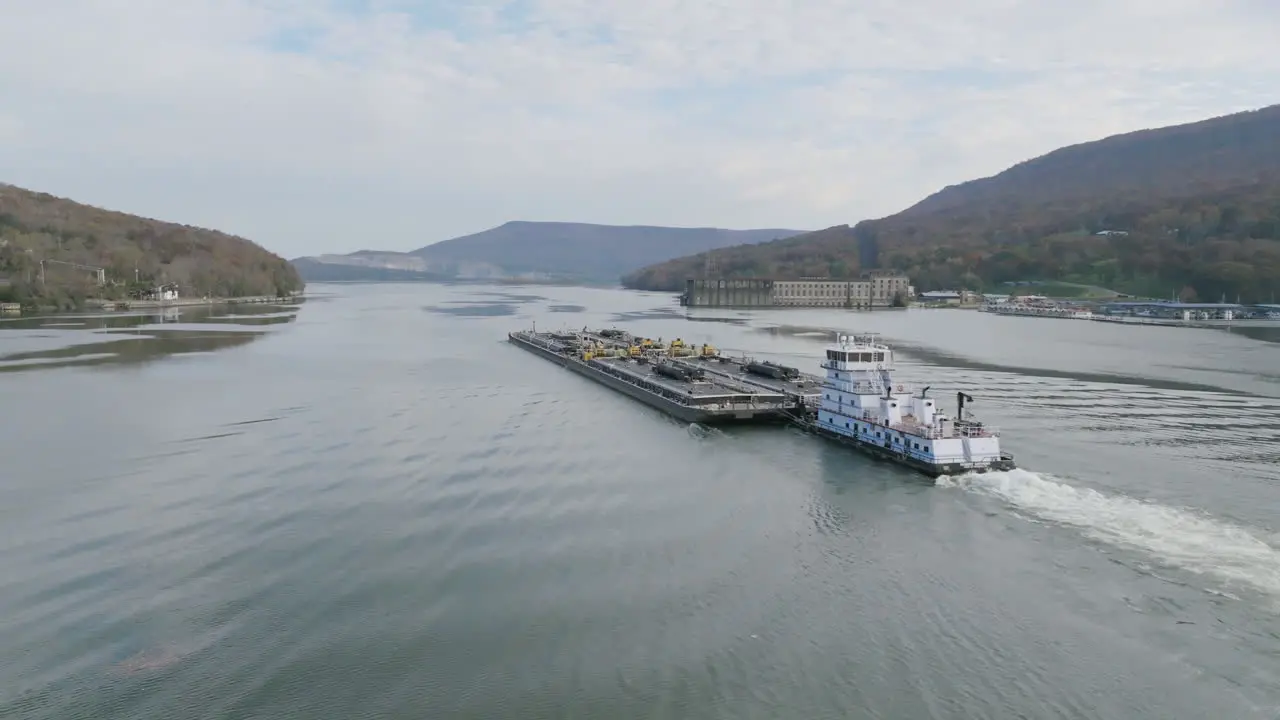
767 375
691 384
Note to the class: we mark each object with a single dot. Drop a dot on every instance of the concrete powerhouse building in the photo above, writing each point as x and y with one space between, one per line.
873 290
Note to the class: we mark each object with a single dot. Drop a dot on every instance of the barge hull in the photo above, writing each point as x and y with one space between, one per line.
881 453
685 413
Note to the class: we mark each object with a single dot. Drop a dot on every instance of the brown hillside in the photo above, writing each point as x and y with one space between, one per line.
131 250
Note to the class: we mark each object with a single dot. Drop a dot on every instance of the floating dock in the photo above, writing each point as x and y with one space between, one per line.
694 384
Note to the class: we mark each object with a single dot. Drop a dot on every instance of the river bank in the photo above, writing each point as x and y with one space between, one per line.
190 302
119 305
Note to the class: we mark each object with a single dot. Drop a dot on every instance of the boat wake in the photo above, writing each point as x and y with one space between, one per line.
1176 537
704 432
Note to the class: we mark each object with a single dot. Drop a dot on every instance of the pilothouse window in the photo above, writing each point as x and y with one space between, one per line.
865 357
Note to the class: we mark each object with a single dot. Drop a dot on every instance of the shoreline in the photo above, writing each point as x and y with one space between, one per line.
190 302
101 305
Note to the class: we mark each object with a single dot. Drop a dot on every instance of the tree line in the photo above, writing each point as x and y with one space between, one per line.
1202 247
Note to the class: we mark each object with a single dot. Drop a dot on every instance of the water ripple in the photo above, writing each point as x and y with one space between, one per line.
400 527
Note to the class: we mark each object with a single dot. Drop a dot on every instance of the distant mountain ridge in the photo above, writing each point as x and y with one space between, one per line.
317 270
576 252
1197 207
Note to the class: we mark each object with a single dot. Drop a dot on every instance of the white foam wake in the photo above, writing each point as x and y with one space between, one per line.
1177 537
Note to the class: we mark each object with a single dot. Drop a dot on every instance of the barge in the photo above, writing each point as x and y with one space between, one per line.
787 380
864 408
858 403
691 384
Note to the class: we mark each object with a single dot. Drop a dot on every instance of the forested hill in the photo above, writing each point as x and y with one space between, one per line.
133 252
1181 160
1191 209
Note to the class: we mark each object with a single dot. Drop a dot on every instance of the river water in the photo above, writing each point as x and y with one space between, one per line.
369 505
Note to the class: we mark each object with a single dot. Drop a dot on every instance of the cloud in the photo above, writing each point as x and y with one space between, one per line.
329 125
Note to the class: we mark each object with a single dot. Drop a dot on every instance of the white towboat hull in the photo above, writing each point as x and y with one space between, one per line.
932 469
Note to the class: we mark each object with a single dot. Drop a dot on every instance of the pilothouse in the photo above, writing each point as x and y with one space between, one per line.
861 404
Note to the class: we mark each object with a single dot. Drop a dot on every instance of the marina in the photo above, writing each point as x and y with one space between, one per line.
1038 306
858 403
1159 313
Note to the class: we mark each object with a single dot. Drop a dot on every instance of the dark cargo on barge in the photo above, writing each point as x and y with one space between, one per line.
681 381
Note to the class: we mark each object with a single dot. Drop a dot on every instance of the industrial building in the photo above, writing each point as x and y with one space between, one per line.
873 290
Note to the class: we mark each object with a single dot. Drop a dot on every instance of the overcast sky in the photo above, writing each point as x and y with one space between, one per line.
318 126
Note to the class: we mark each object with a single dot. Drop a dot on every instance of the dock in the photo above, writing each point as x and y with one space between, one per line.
694 384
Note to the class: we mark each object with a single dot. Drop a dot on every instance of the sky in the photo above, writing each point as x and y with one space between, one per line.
319 126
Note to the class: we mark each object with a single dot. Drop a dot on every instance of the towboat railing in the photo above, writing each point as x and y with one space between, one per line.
977 431
932 433
860 388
